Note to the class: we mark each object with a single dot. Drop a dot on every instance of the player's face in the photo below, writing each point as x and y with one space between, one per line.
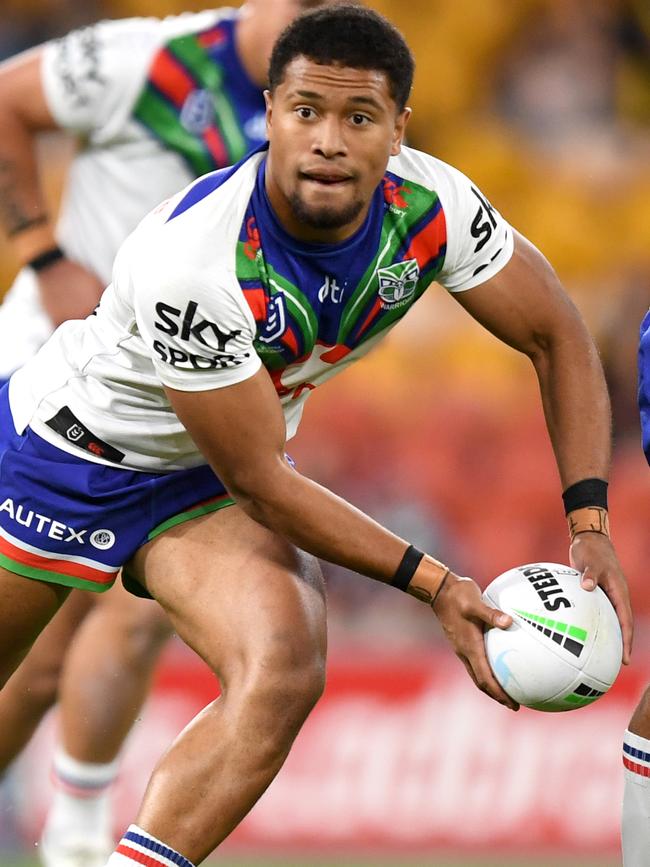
331 131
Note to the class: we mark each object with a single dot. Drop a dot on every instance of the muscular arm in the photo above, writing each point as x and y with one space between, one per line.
67 290
240 430
525 306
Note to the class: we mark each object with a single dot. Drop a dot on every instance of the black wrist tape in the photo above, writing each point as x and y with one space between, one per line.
406 569
588 492
44 260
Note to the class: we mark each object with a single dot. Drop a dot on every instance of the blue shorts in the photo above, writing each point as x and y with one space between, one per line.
69 521
644 383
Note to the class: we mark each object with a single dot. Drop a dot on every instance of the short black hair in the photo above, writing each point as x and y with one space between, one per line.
347 35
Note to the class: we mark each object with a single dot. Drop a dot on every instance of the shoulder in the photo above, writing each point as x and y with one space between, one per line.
478 241
433 174
190 23
197 230
224 193
98 47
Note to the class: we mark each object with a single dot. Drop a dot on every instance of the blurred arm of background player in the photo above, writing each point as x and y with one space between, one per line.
68 290
525 306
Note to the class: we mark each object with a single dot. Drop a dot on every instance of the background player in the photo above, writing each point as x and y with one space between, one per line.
636 742
153 103
237 592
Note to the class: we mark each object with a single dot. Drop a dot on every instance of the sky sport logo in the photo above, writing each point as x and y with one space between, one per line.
397 283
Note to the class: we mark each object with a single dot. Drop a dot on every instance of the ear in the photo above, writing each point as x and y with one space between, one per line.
399 131
268 101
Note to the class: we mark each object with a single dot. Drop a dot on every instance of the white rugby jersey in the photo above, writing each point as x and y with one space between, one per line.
210 287
155 103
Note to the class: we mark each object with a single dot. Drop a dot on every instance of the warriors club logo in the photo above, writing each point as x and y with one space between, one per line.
397 283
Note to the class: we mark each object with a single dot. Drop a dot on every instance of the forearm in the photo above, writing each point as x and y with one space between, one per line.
576 404
318 521
241 432
23 212
23 209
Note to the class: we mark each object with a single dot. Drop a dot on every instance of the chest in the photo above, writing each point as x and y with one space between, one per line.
338 301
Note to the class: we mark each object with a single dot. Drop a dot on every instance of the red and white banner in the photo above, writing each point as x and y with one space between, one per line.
402 754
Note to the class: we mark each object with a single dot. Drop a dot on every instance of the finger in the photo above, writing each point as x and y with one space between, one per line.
506 700
620 599
588 580
468 668
624 613
492 617
484 678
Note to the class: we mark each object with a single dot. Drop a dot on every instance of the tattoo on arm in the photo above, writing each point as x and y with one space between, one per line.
424 595
421 593
13 215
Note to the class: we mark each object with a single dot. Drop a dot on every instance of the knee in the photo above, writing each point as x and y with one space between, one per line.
37 682
283 688
297 689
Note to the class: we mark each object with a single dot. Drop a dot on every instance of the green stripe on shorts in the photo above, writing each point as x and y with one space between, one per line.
53 577
204 509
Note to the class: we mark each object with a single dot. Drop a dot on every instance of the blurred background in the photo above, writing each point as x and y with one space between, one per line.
545 104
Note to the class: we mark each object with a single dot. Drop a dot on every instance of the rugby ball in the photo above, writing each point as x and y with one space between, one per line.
564 648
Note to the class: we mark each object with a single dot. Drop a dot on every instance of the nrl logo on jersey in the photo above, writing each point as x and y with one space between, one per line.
397 283
275 325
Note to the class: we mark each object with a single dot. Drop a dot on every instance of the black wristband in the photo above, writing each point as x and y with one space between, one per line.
588 492
44 260
406 569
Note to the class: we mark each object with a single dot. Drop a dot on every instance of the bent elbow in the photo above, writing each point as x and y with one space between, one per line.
257 494
252 506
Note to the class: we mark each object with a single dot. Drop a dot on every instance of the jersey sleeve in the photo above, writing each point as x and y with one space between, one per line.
199 340
92 76
479 241
195 324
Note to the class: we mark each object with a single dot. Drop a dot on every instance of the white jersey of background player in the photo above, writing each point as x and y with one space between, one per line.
96 83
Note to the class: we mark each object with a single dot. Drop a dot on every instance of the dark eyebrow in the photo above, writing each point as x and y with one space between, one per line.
355 100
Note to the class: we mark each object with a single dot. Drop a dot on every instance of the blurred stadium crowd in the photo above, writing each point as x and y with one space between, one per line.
546 105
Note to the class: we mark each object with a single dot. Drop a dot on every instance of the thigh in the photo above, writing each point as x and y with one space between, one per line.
49 650
26 607
236 593
124 614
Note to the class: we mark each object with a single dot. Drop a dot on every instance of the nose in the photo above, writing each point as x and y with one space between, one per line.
329 140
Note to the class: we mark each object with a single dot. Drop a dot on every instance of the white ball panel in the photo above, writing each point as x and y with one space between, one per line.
604 662
559 631
524 667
